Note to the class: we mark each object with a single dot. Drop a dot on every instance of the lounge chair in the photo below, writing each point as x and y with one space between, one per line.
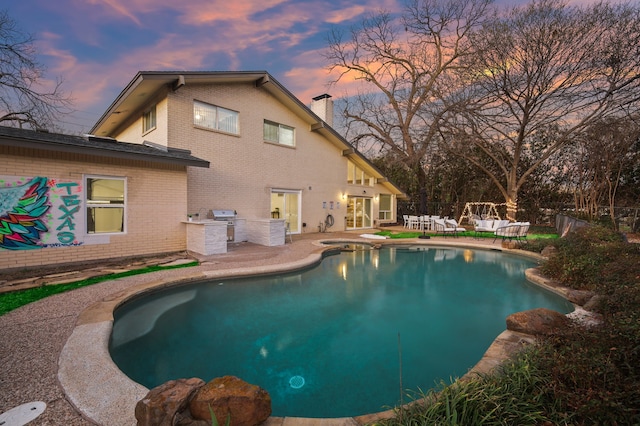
522 231
454 224
447 227
488 225
507 232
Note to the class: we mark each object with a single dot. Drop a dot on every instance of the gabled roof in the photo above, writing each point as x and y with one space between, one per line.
102 147
147 84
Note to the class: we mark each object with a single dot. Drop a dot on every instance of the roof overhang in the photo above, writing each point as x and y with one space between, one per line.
100 147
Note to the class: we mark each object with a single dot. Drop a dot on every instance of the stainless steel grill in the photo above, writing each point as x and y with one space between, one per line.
228 216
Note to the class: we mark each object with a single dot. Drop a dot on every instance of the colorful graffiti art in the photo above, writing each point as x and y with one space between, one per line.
22 209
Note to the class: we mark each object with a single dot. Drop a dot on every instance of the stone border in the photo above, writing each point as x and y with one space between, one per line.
95 386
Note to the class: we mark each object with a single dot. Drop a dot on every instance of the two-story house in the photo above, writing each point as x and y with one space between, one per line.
175 144
271 156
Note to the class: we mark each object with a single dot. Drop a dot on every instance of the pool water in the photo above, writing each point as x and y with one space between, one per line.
326 341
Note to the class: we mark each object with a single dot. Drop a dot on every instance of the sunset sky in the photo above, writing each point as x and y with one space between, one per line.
97 46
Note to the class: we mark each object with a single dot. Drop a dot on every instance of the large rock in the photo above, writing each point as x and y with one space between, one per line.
245 404
579 297
596 303
536 321
163 405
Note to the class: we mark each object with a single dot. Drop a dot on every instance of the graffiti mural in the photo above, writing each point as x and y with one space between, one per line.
39 212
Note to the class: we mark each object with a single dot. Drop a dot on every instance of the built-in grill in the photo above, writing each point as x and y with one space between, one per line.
228 216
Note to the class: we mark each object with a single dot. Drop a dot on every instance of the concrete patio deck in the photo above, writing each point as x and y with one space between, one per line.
54 350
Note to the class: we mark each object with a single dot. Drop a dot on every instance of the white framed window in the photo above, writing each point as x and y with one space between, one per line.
357 176
215 118
279 133
149 120
385 212
105 201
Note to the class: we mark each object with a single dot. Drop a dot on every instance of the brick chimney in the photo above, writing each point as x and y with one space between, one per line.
322 106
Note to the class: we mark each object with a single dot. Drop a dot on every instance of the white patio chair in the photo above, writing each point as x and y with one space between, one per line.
414 222
452 223
522 231
441 227
507 232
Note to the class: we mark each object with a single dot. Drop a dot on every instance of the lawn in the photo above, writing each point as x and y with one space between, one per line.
472 234
13 300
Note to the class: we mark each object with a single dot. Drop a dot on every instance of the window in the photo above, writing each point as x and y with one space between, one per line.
105 201
385 212
357 176
278 133
149 120
215 118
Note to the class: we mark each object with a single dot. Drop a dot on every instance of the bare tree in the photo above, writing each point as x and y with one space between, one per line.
542 74
601 158
404 67
22 99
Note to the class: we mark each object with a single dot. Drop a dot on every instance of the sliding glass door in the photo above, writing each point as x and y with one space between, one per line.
359 213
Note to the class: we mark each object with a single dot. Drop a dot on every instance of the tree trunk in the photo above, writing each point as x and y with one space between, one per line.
512 204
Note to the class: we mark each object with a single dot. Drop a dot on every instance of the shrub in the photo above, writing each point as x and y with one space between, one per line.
584 255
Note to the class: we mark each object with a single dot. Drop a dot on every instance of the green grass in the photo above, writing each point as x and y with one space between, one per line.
472 234
16 299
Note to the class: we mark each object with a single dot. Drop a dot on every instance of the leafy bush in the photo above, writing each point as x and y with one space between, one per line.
594 375
583 256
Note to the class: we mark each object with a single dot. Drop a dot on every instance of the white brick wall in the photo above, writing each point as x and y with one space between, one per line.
244 168
156 205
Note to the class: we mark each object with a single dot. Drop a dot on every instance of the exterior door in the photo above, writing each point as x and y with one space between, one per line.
285 204
359 213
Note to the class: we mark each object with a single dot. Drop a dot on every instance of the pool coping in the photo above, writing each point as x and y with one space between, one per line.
96 388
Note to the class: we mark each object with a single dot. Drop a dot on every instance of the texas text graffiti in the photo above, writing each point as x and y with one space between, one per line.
38 212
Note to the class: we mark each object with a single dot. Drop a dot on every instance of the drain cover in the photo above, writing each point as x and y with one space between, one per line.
296 382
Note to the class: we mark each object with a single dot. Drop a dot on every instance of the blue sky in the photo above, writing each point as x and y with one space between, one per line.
97 46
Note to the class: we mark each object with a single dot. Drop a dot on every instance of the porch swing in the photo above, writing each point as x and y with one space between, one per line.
479 210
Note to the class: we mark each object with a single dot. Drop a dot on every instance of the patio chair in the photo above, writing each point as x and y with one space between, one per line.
522 231
441 226
452 223
507 232
405 217
414 222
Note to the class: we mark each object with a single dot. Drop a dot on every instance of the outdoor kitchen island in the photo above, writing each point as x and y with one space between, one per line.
211 236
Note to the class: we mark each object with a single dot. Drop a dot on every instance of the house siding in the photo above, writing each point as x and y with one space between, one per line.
244 169
155 204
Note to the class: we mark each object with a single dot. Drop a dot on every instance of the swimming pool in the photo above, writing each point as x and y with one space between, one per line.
325 341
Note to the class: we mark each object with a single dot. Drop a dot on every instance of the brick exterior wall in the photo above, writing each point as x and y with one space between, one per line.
244 168
156 205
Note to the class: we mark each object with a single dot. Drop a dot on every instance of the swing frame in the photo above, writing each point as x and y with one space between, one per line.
489 211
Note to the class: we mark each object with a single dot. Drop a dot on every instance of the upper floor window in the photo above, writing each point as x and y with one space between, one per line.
215 117
149 120
105 202
278 133
357 176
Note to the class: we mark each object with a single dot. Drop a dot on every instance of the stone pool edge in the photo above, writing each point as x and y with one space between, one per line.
97 389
